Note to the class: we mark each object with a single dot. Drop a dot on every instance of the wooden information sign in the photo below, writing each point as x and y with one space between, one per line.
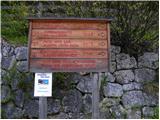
69 45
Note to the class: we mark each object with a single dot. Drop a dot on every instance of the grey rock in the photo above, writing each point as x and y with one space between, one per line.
8 62
31 108
118 112
105 113
110 77
61 115
76 115
7 49
85 85
87 103
124 61
22 66
113 56
21 53
115 49
124 76
3 80
144 75
12 112
134 114
19 98
108 102
53 106
148 111
5 93
76 78
150 100
14 83
149 60
132 86
3 73
72 102
113 67
113 90
133 99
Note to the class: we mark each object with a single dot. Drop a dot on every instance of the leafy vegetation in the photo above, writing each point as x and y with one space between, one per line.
134 25
156 113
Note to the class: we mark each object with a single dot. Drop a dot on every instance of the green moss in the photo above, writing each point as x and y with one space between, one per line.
156 113
3 114
151 88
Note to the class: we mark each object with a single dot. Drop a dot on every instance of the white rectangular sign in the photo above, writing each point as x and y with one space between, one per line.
43 84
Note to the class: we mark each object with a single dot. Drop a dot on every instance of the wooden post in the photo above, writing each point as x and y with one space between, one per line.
95 96
42 107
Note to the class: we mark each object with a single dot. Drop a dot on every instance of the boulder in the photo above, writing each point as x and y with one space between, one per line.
72 101
19 98
115 49
133 99
110 77
124 61
150 100
8 62
124 76
87 103
118 112
148 112
31 108
145 75
132 86
108 102
11 111
5 93
7 49
61 115
134 113
113 90
138 99
113 56
53 106
112 67
21 53
22 66
148 60
85 85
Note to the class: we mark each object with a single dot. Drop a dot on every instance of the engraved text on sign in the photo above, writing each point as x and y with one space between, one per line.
68 46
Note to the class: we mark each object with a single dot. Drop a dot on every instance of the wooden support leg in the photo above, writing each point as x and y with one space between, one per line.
43 108
95 96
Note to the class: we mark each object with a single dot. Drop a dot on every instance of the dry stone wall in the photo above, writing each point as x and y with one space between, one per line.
123 90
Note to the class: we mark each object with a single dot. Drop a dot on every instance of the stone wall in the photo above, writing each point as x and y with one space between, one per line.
130 90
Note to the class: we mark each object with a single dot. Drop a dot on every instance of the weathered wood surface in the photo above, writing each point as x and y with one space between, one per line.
95 96
49 24
69 65
66 46
42 107
69 43
80 34
68 53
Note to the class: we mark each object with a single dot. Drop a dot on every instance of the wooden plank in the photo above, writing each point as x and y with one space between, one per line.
68 43
68 53
68 65
42 107
50 24
95 96
81 34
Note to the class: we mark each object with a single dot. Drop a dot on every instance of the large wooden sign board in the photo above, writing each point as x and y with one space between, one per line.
69 45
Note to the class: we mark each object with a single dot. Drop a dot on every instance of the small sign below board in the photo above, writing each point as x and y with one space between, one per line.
43 85
69 45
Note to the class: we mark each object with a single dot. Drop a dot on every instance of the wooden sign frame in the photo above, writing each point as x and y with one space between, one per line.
95 58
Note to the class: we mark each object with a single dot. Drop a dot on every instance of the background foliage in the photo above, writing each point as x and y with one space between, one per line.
134 26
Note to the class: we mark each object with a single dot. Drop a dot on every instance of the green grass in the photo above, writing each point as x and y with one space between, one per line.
14 25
